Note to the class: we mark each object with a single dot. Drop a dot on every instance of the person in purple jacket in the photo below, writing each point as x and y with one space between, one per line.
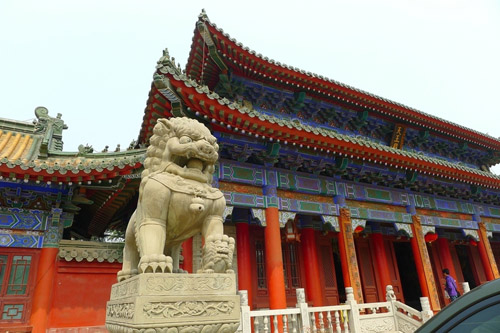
450 285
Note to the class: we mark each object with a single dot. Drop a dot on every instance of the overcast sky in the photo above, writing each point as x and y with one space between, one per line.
92 61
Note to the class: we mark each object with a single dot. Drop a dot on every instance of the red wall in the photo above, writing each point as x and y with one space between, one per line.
81 290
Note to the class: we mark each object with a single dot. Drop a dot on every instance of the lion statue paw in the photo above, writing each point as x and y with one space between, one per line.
155 263
218 254
126 274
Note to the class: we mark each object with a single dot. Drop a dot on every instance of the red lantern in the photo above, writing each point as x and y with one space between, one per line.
430 237
472 242
359 229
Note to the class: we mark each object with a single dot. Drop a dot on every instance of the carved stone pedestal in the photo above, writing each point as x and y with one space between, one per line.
174 303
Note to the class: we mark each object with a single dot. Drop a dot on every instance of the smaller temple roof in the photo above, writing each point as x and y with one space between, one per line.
104 183
33 151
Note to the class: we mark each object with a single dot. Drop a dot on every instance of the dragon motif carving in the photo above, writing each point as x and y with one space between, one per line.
177 201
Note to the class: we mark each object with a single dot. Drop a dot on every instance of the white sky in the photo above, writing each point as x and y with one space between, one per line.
93 61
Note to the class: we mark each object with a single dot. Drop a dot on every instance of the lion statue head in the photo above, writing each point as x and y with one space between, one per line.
184 147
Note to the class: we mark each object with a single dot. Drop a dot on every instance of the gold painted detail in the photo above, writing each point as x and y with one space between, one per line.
491 258
429 275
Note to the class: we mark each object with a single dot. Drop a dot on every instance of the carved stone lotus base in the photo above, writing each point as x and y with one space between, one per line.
174 303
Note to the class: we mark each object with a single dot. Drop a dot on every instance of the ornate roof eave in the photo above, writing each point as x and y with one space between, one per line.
275 73
229 116
117 199
75 168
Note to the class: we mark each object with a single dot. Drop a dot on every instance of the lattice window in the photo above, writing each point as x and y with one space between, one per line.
19 274
326 263
3 268
12 311
291 267
261 264
16 284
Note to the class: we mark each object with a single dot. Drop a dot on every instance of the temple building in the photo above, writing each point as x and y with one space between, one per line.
327 186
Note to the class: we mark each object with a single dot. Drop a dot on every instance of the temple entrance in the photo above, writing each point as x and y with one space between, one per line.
338 270
332 284
408 274
468 270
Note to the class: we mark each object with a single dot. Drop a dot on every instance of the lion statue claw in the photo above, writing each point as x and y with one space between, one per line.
176 201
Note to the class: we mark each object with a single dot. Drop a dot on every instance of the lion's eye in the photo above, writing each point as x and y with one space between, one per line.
185 139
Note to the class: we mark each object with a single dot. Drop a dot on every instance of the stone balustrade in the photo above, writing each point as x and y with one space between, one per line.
388 316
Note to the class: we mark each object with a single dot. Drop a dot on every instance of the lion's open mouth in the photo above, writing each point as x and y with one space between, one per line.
190 163
192 168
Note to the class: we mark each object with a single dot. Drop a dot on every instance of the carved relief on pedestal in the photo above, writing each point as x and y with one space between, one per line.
187 309
210 283
121 311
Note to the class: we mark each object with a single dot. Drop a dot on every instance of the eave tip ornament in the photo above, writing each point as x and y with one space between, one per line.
203 15
176 201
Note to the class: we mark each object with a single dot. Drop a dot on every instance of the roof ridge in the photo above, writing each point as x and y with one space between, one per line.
203 17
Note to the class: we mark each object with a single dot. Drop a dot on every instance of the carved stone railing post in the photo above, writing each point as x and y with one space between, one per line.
391 298
302 305
465 287
355 324
246 323
426 309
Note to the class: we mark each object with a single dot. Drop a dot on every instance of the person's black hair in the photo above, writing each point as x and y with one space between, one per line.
446 271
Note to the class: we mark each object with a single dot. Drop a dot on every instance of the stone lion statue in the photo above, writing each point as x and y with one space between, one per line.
177 201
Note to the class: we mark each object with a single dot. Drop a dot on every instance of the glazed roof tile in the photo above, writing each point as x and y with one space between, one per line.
400 158
16 145
450 129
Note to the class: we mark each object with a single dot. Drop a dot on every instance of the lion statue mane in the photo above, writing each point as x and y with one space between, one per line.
176 201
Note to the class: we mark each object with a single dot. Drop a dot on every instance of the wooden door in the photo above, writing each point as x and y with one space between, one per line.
393 270
478 265
467 268
328 274
367 270
18 268
260 298
292 271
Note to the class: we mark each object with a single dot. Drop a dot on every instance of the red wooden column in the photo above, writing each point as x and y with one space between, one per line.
187 253
486 254
381 262
244 259
274 260
42 295
423 265
445 256
310 255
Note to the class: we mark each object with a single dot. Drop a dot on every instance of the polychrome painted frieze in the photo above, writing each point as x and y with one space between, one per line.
379 215
27 239
303 183
302 206
493 227
25 219
241 173
447 222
